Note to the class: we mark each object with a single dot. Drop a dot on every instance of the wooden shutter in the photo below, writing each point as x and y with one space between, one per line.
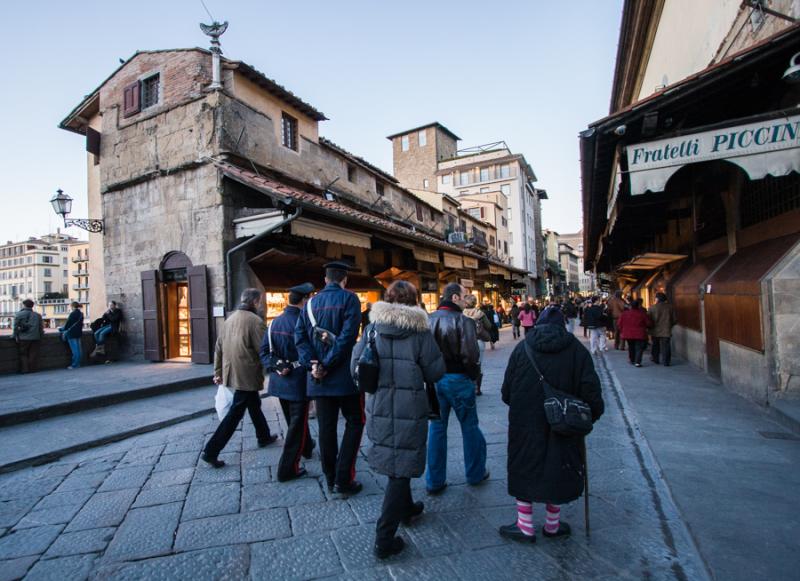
199 315
93 141
131 102
153 346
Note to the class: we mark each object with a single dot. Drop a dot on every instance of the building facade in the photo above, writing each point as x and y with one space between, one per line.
36 269
487 180
691 183
568 260
208 190
586 279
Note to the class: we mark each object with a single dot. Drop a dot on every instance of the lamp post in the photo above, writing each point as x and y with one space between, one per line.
62 205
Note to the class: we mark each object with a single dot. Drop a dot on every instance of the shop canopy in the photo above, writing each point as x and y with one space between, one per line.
650 261
766 147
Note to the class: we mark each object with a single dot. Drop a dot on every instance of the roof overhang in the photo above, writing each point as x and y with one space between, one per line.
650 261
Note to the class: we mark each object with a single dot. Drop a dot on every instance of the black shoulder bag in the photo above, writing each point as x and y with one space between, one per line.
369 366
566 414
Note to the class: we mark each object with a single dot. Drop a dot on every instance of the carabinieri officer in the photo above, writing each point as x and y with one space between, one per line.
325 335
287 382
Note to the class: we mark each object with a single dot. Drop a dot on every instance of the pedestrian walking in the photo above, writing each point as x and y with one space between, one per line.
325 336
483 329
492 317
71 332
107 325
633 325
662 316
457 339
237 365
595 319
527 317
616 306
397 418
27 332
287 381
545 467
514 314
570 314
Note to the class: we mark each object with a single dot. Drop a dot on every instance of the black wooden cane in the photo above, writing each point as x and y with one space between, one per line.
586 488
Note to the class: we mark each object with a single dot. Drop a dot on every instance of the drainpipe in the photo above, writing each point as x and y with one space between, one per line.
228 255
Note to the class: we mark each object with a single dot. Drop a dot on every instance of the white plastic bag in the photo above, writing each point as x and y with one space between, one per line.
223 401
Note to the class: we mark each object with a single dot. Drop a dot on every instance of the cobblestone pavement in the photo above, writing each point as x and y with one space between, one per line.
146 509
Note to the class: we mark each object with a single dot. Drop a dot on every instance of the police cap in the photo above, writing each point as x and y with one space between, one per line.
340 265
304 289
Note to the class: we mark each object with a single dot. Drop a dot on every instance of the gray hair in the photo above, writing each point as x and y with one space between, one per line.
251 296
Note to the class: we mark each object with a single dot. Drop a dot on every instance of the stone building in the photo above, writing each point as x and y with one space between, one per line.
488 180
691 183
207 190
586 280
568 260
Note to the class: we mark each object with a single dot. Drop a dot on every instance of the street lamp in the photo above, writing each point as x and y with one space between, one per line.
62 205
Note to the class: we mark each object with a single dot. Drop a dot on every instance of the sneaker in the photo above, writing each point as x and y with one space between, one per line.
350 489
512 532
436 491
393 548
270 440
215 462
637 364
416 510
564 530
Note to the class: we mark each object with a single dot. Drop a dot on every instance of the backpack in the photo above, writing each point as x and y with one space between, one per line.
368 367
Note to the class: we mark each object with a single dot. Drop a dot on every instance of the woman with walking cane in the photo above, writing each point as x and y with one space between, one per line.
544 465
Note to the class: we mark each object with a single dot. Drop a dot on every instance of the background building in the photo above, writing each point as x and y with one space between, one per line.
568 260
488 180
586 279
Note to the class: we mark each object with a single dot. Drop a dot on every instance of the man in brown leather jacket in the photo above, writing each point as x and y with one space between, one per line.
457 338
615 308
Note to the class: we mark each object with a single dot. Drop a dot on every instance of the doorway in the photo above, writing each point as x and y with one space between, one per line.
177 325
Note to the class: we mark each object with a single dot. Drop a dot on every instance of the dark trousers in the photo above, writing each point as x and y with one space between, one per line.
636 350
662 345
619 342
515 329
397 504
298 441
28 353
243 401
339 463
528 330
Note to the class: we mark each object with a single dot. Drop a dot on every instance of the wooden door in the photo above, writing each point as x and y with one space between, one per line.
153 346
199 314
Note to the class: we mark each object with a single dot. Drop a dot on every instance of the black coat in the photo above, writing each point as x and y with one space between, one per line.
543 466
290 387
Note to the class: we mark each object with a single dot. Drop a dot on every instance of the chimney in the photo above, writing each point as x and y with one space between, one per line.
214 31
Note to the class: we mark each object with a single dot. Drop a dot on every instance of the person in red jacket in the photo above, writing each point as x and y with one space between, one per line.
633 325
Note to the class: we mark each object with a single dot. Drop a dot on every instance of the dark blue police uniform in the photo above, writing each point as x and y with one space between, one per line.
337 311
289 389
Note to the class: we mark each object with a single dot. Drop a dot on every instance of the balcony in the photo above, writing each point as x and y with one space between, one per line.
80 259
457 237
478 239
80 273
80 286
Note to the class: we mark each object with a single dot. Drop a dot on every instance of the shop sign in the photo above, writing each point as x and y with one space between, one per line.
470 262
453 261
494 269
426 255
467 282
761 148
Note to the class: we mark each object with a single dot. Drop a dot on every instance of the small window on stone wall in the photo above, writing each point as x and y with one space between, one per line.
150 87
351 173
289 131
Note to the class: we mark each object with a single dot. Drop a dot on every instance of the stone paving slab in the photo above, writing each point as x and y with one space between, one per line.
148 508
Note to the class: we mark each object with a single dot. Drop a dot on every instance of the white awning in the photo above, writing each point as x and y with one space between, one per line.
326 232
254 225
763 148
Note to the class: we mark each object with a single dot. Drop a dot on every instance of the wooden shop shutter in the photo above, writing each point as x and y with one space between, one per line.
199 316
130 100
153 345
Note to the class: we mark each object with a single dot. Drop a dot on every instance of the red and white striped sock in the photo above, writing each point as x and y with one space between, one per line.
525 518
552 519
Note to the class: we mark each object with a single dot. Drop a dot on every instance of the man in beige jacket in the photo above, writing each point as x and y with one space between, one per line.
238 366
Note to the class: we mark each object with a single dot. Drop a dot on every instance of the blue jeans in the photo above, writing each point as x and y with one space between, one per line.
456 391
75 347
101 334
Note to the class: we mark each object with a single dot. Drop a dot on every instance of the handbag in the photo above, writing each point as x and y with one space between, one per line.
368 367
566 414
434 410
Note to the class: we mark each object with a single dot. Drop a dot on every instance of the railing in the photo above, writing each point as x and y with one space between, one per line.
457 237
478 239
80 259
80 273
81 286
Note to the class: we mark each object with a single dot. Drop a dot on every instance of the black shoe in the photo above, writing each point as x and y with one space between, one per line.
512 532
564 530
310 450
482 480
270 440
215 462
395 547
416 510
300 473
350 489
478 392
436 491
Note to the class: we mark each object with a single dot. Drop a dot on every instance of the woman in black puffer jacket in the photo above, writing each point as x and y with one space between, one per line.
543 466
397 413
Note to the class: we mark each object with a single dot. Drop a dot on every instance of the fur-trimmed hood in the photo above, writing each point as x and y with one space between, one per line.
398 320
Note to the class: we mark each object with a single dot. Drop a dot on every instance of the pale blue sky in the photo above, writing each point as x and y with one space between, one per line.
533 73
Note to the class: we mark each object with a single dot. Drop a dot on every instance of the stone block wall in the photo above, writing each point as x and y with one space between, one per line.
53 352
785 303
689 344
